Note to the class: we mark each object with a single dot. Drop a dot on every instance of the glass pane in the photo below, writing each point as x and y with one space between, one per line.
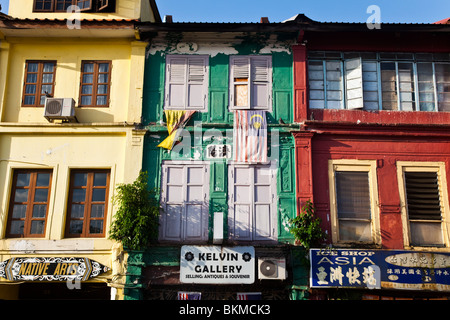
98 194
77 211
30 89
43 180
80 179
76 227
17 227
23 179
100 179
96 226
101 100
103 78
33 67
426 234
103 67
19 211
86 100
241 95
39 210
97 210
48 67
29 100
355 231
37 227
79 195
88 78
102 89
32 78
46 88
47 78
21 195
86 89
41 195
88 67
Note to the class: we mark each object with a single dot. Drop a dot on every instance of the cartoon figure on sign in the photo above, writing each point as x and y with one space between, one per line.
321 276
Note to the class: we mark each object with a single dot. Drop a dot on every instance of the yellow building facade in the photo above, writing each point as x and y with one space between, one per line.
60 168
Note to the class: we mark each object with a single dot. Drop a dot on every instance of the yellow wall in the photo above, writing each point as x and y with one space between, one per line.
126 78
102 137
125 9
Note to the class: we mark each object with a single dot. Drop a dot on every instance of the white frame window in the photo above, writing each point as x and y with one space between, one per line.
379 81
185 201
186 86
251 82
356 220
425 207
252 209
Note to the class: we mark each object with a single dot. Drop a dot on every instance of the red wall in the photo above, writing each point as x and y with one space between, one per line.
386 150
384 136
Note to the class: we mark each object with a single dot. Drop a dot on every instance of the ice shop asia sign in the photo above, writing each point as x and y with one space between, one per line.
215 264
375 269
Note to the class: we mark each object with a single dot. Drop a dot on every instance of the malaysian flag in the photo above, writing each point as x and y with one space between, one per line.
250 136
249 296
183 295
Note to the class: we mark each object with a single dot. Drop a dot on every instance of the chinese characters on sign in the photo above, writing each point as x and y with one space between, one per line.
380 269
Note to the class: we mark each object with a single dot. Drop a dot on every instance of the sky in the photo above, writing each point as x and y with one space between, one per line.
391 11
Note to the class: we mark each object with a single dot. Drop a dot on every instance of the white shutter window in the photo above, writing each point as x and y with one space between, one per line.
261 83
252 203
186 82
354 83
250 82
184 198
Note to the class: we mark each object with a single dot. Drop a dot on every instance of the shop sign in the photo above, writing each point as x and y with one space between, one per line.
215 264
50 269
387 269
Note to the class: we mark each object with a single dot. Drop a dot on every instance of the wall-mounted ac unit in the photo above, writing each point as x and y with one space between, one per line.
59 109
272 268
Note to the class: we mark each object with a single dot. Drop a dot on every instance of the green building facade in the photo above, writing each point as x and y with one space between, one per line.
208 199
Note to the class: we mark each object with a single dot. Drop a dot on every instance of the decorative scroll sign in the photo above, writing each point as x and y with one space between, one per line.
50 269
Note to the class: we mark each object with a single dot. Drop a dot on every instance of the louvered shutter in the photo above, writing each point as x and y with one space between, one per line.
175 83
260 82
240 80
196 83
422 191
354 84
424 208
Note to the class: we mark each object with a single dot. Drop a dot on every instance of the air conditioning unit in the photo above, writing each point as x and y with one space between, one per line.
59 109
272 268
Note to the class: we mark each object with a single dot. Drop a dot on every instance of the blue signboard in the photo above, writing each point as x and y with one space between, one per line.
376 269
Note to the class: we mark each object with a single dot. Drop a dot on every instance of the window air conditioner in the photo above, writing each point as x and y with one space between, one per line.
59 109
272 268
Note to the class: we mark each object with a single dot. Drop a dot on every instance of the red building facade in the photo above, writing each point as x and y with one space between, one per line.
373 153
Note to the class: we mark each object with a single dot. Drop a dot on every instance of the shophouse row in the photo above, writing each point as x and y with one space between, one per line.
269 116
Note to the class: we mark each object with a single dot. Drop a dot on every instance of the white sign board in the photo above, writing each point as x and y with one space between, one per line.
216 264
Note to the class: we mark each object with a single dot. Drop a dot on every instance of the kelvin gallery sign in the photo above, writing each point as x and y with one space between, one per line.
215 264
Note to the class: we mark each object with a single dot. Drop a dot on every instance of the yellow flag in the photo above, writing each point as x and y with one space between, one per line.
175 119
